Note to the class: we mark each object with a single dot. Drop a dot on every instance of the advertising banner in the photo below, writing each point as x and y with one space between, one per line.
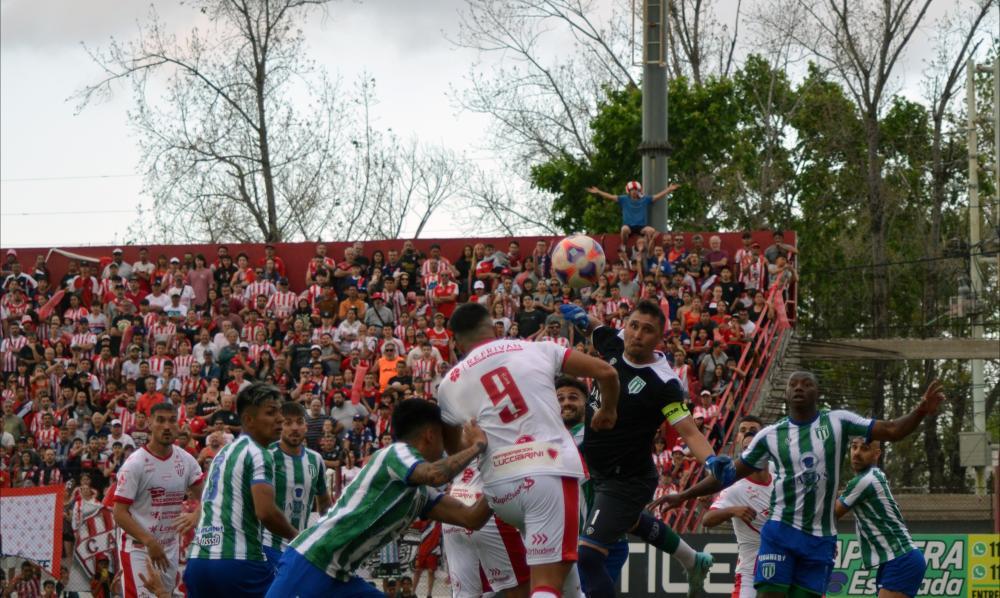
965 565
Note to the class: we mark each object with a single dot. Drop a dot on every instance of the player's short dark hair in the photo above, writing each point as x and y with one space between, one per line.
292 409
647 307
412 416
254 396
576 383
162 407
753 419
468 317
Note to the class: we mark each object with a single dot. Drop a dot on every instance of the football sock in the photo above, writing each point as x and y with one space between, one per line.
659 534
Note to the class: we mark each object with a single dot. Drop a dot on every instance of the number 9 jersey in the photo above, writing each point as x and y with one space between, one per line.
508 386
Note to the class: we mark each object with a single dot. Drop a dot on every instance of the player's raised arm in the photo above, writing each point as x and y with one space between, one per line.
709 485
442 471
582 365
901 427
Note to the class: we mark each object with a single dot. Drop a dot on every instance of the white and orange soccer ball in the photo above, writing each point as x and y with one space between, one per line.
578 261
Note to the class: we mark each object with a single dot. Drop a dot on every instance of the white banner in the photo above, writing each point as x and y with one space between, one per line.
31 525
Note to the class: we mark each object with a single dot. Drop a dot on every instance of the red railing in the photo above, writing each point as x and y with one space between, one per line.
755 364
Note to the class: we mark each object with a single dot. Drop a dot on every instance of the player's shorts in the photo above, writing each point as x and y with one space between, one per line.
299 578
273 555
427 562
790 557
743 587
546 510
903 574
211 578
494 554
135 561
618 502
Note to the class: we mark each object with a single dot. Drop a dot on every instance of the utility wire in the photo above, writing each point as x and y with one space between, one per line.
69 178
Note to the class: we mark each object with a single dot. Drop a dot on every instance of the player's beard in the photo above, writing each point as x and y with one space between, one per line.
293 440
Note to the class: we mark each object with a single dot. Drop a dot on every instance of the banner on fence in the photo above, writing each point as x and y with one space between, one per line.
964 565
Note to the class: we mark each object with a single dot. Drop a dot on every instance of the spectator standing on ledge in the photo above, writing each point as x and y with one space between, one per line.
634 213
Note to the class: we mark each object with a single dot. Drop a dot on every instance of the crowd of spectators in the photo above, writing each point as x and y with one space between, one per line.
85 356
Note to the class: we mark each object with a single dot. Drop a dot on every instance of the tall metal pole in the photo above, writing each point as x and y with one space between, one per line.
975 280
654 147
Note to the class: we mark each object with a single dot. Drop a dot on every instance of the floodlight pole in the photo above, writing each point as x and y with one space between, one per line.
654 147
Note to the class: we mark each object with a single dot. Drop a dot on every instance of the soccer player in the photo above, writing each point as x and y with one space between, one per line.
885 541
227 554
494 554
572 396
394 488
798 542
148 495
532 468
747 504
620 460
299 478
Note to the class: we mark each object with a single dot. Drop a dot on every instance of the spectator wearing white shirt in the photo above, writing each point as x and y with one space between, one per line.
118 435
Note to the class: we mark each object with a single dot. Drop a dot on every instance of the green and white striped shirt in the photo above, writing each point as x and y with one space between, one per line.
375 508
229 528
807 459
298 480
586 486
881 528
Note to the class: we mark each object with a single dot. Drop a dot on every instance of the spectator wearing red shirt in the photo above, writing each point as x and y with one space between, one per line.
445 294
440 337
150 397
271 254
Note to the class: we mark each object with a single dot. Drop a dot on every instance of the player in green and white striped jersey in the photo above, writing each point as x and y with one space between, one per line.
806 448
885 541
299 478
227 556
394 487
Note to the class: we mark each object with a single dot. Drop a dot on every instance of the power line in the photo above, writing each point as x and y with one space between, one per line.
69 178
67 213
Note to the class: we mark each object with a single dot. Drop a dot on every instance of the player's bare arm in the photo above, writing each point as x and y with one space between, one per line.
716 517
123 517
268 512
901 427
451 510
444 470
709 485
582 365
186 522
695 440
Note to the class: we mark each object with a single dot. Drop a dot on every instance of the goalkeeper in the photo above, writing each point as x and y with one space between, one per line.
620 461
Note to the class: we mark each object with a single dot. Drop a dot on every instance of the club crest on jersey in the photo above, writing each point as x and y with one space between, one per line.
636 385
822 432
179 467
767 570
312 470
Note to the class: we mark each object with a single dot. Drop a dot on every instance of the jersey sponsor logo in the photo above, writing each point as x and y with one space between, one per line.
537 539
454 375
527 455
636 385
491 350
809 477
467 475
503 499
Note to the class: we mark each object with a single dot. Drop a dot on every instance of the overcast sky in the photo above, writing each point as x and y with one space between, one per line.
68 179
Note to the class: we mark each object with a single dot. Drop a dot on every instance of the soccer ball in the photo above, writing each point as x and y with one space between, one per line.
578 261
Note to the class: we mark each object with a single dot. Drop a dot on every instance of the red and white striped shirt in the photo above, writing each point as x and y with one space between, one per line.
46 437
249 331
10 347
84 338
183 365
256 350
423 367
281 304
75 313
106 369
149 320
126 417
162 332
193 386
257 288
156 363
559 340
313 293
14 309
318 333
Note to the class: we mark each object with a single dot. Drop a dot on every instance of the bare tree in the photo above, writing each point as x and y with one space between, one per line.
957 41
861 43
502 203
696 38
238 130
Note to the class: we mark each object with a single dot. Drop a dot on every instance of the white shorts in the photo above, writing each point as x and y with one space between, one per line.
743 587
546 511
494 554
135 561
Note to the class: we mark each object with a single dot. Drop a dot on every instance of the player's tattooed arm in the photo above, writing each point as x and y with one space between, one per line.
444 470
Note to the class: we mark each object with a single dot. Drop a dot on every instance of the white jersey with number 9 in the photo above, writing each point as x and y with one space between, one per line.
508 386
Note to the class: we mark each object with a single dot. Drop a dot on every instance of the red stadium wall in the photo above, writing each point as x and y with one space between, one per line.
297 255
